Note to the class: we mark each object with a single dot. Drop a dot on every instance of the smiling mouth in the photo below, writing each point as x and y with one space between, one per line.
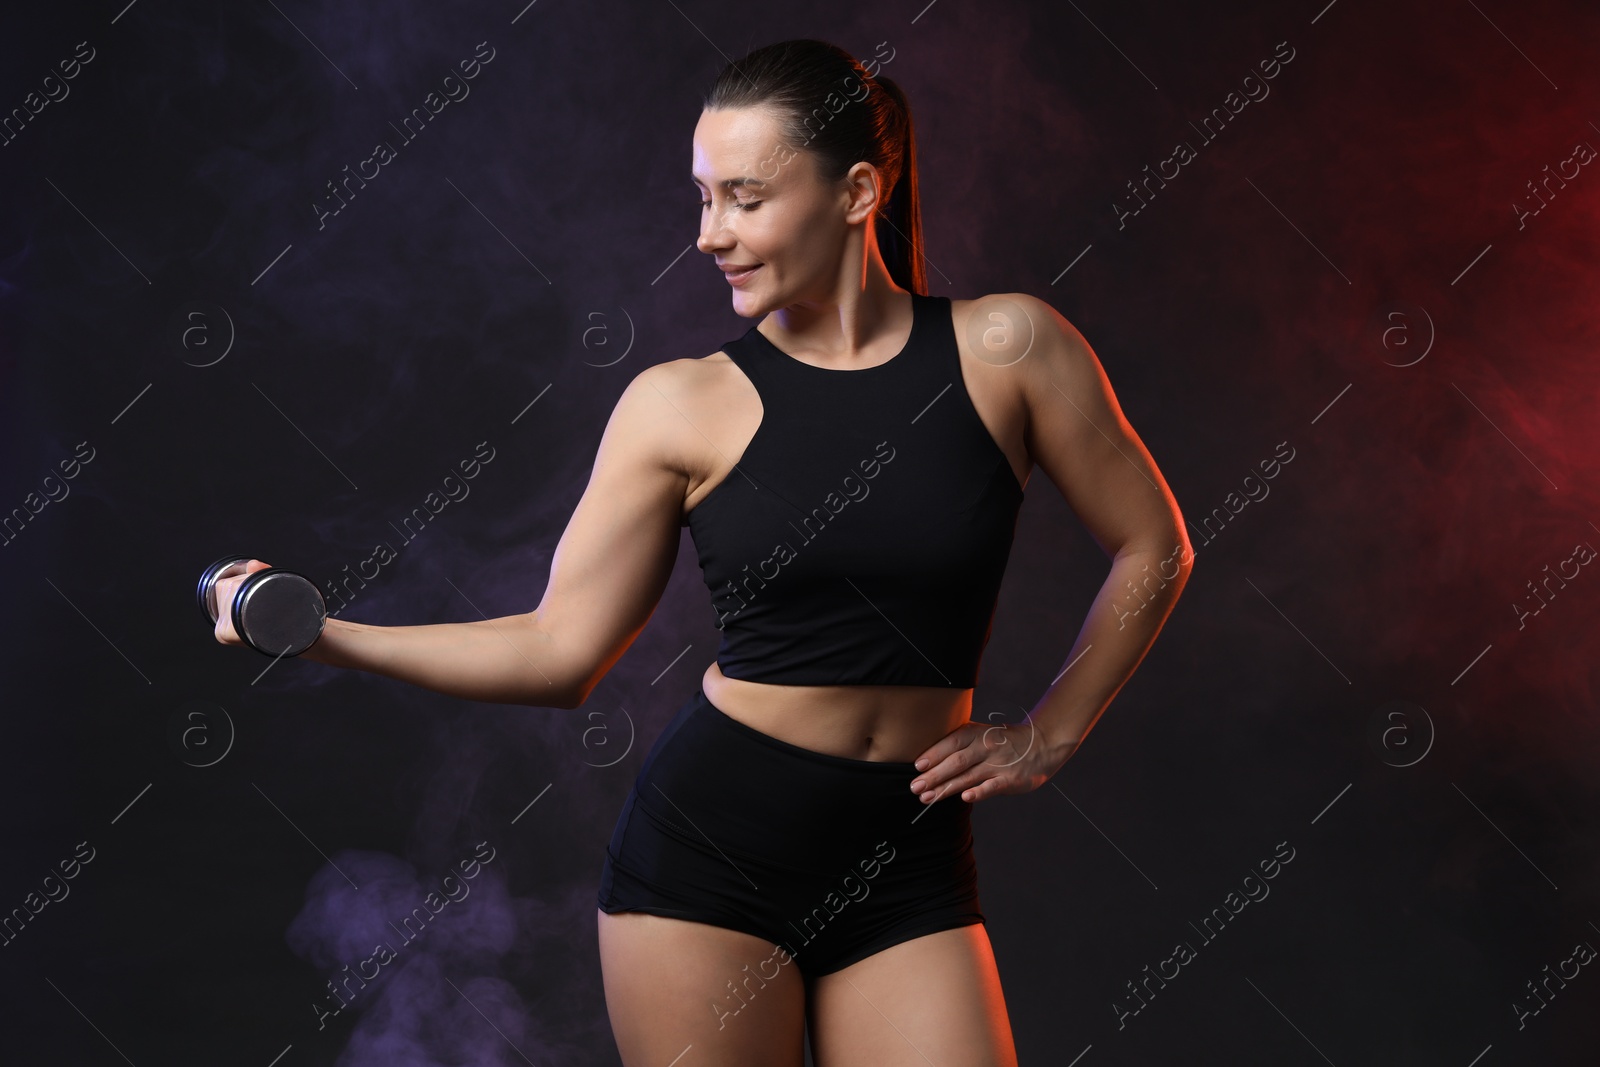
736 276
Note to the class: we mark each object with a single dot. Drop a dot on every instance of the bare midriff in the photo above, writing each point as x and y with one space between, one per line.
881 723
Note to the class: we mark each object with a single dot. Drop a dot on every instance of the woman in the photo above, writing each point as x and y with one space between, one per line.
796 848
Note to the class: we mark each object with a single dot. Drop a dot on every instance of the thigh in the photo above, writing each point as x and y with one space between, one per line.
727 998
935 998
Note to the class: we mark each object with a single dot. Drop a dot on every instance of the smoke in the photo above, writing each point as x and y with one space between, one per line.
415 958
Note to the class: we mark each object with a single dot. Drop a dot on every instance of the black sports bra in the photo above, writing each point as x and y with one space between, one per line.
862 536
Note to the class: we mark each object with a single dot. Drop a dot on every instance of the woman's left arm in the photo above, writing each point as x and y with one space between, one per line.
1077 435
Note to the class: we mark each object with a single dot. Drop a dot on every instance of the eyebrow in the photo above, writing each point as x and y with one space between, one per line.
730 183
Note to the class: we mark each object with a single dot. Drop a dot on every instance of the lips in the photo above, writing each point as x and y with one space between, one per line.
736 275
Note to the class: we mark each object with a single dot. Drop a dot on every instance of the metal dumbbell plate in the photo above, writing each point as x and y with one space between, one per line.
276 612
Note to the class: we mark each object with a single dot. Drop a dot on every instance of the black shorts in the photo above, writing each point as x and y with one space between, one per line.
829 859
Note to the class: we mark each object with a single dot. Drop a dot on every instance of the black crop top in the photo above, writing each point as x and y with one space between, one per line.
862 536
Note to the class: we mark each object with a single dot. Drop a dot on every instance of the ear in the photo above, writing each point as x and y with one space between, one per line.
864 195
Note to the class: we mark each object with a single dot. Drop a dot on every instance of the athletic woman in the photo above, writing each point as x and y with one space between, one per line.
796 852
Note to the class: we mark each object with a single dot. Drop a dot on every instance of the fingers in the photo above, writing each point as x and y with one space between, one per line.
989 787
224 592
966 767
223 630
937 780
945 755
969 785
948 744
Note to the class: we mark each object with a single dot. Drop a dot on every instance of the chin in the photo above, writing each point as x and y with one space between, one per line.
746 306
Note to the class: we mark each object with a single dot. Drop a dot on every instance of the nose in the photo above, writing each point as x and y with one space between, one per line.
713 232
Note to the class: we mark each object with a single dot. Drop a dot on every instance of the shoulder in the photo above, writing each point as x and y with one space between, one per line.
674 382
692 385
1020 320
1026 335
668 408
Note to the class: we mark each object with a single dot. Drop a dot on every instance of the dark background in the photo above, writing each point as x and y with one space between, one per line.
1342 269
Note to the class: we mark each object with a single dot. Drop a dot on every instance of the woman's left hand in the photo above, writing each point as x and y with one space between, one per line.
977 762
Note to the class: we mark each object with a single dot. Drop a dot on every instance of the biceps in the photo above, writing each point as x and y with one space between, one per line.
609 570
612 562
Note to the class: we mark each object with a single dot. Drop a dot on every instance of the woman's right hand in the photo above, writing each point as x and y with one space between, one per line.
222 592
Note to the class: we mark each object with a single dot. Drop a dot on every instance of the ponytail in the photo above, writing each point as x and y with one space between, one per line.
899 227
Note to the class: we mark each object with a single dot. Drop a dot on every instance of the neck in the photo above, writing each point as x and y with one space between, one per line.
865 314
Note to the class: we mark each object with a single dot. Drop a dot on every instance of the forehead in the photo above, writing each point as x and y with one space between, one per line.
736 143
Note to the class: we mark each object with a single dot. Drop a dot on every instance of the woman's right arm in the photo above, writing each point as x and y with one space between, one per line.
606 577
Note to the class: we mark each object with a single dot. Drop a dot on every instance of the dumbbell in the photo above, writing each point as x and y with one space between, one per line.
275 611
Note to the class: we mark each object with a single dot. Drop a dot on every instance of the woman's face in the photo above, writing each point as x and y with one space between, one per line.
763 205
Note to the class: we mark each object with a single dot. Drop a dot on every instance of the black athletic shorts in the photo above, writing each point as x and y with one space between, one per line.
829 859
